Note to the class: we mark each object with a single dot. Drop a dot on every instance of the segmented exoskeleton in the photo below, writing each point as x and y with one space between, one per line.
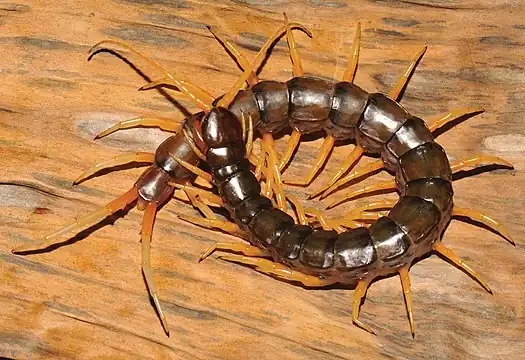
224 137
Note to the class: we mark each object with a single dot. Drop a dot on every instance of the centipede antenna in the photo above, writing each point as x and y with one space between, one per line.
353 60
143 158
200 97
350 160
407 293
382 186
297 69
448 254
485 220
438 121
145 236
322 156
357 173
236 54
245 249
479 160
142 121
84 222
397 91
359 293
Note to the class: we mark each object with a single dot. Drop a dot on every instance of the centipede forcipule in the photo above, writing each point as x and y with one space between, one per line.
379 124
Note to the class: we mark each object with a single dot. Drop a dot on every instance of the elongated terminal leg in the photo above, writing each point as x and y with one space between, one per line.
278 270
326 149
353 60
357 173
245 249
438 121
479 160
142 121
145 236
407 293
484 219
200 97
397 91
447 253
84 222
359 294
385 185
138 157
356 153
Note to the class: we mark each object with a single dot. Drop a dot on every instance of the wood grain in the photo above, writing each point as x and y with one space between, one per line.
88 300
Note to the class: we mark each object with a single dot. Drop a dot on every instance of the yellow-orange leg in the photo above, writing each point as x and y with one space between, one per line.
397 91
225 226
448 254
194 169
325 223
359 294
292 47
138 157
239 58
326 149
385 185
364 212
299 210
278 270
201 205
142 121
192 144
407 293
84 222
357 173
245 249
200 97
353 60
438 121
204 194
145 236
355 155
479 160
485 220
291 145
273 165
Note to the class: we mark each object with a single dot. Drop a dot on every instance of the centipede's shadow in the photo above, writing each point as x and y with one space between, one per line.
133 165
110 220
453 123
161 91
479 170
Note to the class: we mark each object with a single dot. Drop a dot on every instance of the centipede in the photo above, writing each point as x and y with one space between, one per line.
282 243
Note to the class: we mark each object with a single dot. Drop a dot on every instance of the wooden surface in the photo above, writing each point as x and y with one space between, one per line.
88 300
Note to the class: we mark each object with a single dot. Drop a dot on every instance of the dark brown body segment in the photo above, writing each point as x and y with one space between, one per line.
348 103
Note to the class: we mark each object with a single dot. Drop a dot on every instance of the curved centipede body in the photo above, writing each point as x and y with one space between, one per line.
222 135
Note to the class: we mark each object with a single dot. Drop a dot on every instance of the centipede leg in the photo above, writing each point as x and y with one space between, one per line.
325 223
278 270
357 173
142 121
84 222
291 145
382 186
273 165
484 219
225 226
138 157
359 293
200 97
194 169
448 254
479 160
407 293
204 194
299 210
351 159
439 121
397 91
292 47
353 61
245 249
145 235
326 148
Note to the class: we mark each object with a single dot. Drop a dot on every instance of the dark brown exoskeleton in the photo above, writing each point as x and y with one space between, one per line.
223 138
